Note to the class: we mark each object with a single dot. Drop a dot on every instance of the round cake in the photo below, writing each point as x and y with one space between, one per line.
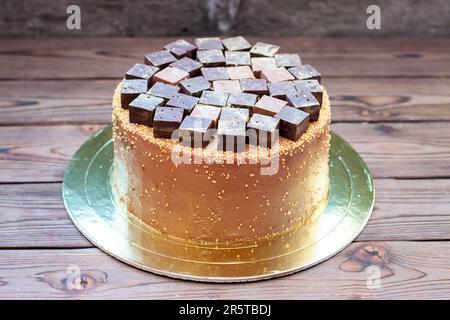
221 141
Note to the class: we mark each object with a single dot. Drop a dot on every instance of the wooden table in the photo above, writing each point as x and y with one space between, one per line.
391 101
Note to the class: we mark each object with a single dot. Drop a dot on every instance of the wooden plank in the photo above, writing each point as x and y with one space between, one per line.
404 210
397 150
111 58
408 270
80 102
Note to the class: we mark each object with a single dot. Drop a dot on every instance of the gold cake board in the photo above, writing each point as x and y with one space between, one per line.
94 210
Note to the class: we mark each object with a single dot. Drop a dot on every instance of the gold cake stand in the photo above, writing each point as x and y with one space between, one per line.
93 209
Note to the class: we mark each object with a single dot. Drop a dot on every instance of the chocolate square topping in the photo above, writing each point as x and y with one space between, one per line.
237 58
214 98
130 90
170 75
195 132
241 114
305 101
163 90
288 60
183 101
187 64
227 86
215 73
236 43
213 43
304 72
142 109
269 106
281 89
240 72
293 122
313 85
276 75
244 100
142 71
195 86
159 59
166 121
231 134
211 58
264 49
255 86
262 130
181 48
208 112
259 64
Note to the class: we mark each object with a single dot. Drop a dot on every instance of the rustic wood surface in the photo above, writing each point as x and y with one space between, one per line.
391 101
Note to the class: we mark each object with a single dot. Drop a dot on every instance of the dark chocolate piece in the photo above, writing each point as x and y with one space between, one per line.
281 89
209 43
276 75
269 106
240 72
227 86
255 86
237 58
262 130
195 132
313 85
293 122
304 72
131 89
215 73
207 112
163 90
166 121
288 60
187 64
195 86
241 114
183 101
232 135
170 75
142 109
142 71
259 64
236 44
305 101
240 99
211 58
214 98
181 48
159 59
264 49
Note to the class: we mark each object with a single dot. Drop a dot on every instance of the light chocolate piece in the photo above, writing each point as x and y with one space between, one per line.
181 48
313 85
214 98
187 64
183 101
142 71
130 90
237 58
276 75
288 60
281 89
195 86
170 75
293 122
207 112
227 86
269 106
241 114
305 72
231 135
211 58
240 72
163 90
195 132
305 101
213 43
236 44
262 130
243 100
159 59
264 49
166 121
255 86
142 109
215 73
259 64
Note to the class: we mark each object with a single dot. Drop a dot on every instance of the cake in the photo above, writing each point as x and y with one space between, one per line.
221 141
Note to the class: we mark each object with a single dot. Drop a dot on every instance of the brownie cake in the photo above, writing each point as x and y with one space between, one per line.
221 141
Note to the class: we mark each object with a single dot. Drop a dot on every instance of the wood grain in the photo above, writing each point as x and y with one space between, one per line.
409 270
404 210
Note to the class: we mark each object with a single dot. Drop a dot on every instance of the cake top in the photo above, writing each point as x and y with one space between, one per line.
229 89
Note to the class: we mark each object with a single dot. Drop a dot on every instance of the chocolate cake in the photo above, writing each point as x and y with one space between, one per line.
221 141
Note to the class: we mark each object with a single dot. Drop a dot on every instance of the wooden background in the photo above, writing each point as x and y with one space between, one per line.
37 18
391 101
